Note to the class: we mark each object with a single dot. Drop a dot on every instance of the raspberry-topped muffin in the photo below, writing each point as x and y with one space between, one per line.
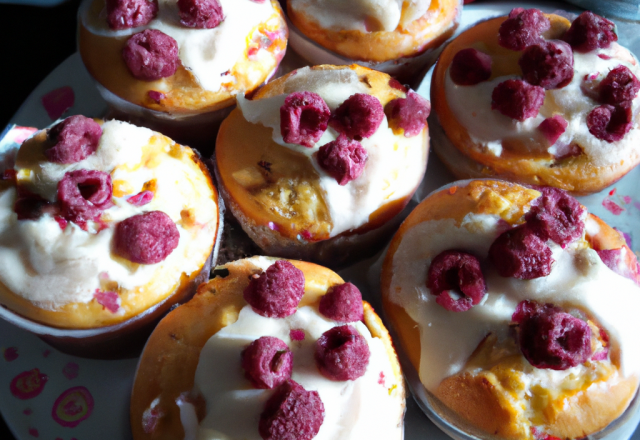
539 100
104 224
517 310
270 349
176 65
318 162
393 36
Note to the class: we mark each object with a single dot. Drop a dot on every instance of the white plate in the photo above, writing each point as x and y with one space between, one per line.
102 405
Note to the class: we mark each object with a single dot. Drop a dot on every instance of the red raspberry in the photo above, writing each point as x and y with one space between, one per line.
619 85
151 55
521 254
267 362
548 64
146 238
342 303
84 194
277 292
552 128
551 338
459 273
358 117
342 353
622 262
291 413
470 67
523 28
342 159
200 14
303 118
556 216
610 123
30 206
517 99
125 14
589 32
409 113
74 139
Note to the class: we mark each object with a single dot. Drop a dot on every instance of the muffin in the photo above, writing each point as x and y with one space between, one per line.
396 37
105 227
240 360
516 309
536 99
177 66
317 164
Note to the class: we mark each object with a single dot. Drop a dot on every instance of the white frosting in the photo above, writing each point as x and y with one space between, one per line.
207 53
471 106
578 279
382 15
36 255
394 166
367 407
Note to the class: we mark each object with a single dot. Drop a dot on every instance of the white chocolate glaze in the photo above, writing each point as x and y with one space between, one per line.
207 53
361 15
471 105
395 164
52 267
578 279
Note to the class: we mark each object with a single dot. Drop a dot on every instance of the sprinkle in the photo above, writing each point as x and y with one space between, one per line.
612 207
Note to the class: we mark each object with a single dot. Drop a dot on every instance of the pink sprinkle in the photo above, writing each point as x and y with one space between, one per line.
612 207
296 334
108 300
306 234
62 222
27 412
613 191
70 370
273 226
21 134
58 101
11 354
251 53
156 96
381 378
141 198
34 432
637 205
46 353
627 199
603 56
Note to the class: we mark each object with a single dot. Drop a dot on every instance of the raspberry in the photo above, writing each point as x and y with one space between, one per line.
523 28
610 123
30 206
125 14
303 118
521 254
84 194
589 32
267 362
291 413
200 14
458 272
548 64
470 67
75 139
342 159
342 303
277 291
552 128
342 353
408 113
146 238
151 55
551 338
619 85
358 117
517 99
622 262
556 216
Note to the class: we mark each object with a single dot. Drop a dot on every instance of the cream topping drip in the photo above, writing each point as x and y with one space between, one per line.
368 407
578 279
207 53
36 255
362 15
471 106
395 164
